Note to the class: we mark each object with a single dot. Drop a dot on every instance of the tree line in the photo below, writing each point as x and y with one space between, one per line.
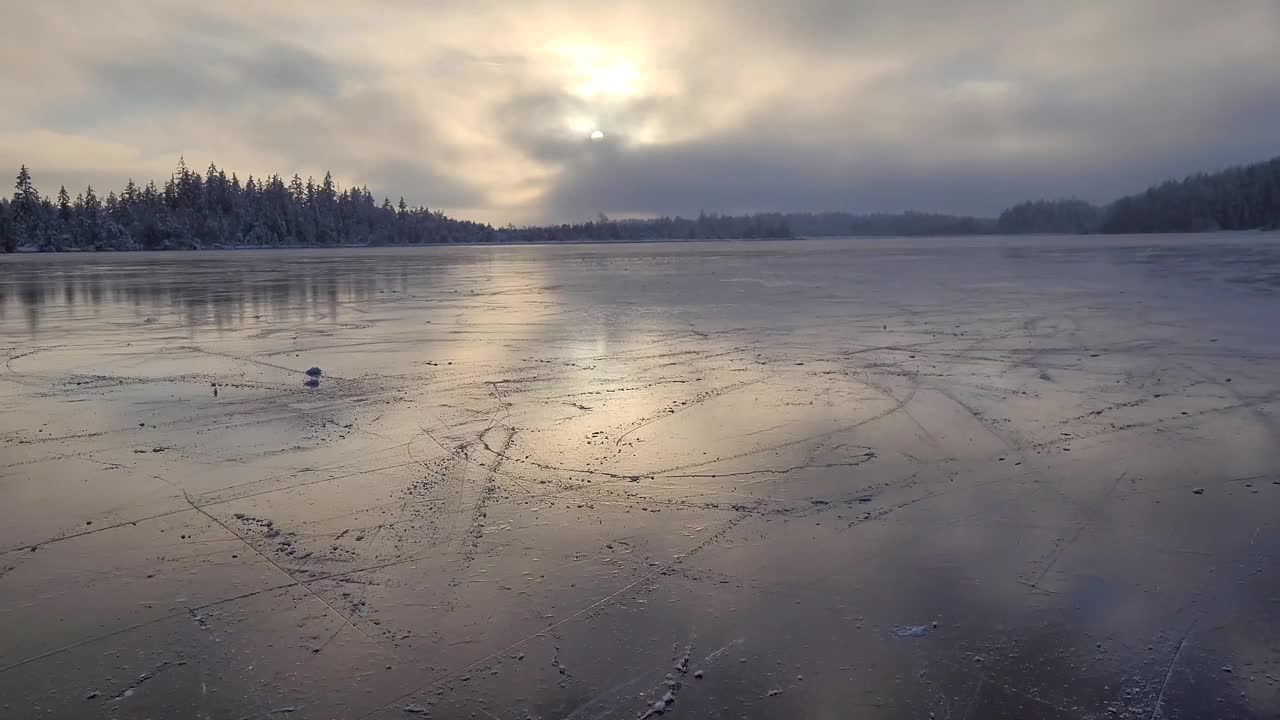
215 210
1238 198
191 211
906 224
1069 216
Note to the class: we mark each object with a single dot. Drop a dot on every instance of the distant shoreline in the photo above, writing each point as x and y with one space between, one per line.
28 250
216 212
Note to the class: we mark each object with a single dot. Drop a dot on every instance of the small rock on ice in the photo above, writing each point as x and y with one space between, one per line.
314 372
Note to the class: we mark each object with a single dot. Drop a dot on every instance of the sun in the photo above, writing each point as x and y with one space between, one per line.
601 84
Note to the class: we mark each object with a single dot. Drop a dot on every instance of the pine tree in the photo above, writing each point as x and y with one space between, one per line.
25 210
115 209
25 196
8 235
328 192
171 193
224 195
64 206
91 204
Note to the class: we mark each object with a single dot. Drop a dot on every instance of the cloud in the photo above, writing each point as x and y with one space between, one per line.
484 108
212 77
443 190
736 175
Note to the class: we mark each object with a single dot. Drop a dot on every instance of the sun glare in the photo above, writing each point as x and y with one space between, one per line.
618 80
581 124
597 73
603 80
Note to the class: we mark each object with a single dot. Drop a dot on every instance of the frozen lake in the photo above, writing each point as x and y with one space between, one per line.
946 477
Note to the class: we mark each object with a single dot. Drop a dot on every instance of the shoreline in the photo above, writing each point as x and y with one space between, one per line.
29 250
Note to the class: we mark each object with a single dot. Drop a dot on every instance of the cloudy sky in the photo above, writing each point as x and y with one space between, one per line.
487 108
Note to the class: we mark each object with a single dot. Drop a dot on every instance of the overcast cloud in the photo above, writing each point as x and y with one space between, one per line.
486 108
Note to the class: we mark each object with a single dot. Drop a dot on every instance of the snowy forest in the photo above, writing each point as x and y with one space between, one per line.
1070 216
1239 198
193 211
213 210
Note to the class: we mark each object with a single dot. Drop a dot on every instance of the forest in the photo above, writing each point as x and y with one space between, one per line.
1240 198
1069 216
213 210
